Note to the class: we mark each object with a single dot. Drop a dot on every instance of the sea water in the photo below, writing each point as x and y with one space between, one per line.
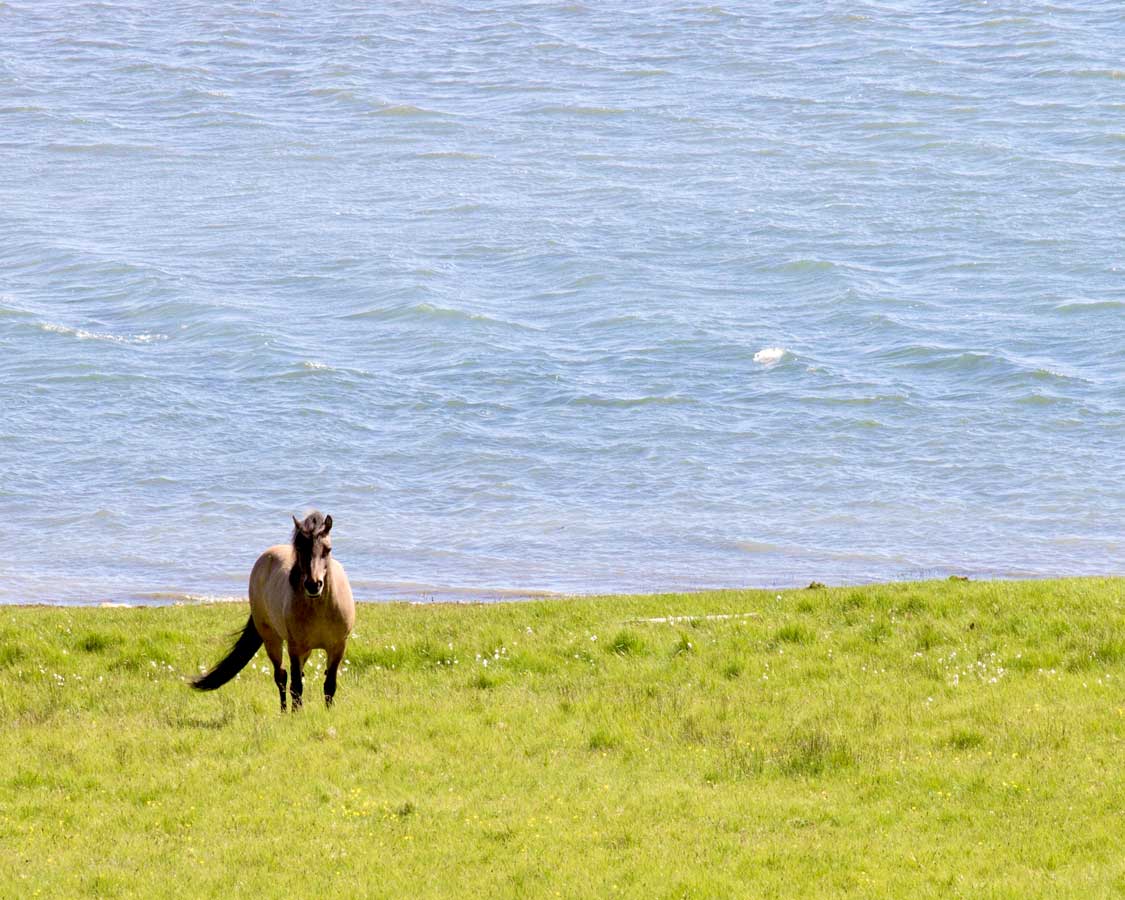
569 297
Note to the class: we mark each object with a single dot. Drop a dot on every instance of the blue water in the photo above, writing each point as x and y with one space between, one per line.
559 296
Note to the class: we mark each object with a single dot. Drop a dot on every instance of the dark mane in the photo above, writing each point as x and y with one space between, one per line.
310 528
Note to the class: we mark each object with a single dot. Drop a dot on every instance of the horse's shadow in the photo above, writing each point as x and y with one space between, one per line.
209 723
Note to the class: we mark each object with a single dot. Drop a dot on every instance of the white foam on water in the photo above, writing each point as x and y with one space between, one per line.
211 598
769 356
175 598
84 335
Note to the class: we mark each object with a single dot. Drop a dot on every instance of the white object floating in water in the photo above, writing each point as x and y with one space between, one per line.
767 356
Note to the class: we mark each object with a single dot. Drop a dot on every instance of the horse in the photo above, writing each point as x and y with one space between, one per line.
300 596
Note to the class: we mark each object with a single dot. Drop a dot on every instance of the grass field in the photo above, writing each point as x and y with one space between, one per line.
912 740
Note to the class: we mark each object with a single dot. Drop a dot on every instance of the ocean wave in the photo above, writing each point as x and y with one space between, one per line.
1110 74
441 593
1073 306
84 335
1037 399
863 400
106 148
770 356
805 265
315 365
629 402
409 111
590 111
452 154
800 552
454 209
7 309
150 598
336 93
985 363
428 311
311 368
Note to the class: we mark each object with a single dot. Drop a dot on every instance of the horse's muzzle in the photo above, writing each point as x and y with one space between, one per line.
313 588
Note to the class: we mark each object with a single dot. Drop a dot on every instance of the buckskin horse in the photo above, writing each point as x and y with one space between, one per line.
299 596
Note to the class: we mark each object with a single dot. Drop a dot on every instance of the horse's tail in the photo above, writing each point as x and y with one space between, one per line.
230 665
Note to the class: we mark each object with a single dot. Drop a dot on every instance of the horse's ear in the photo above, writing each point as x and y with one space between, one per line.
296 524
327 525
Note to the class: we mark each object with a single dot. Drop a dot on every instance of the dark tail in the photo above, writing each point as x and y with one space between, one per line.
240 654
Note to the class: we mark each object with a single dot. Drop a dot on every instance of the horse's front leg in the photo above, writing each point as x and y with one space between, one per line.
273 648
297 676
334 656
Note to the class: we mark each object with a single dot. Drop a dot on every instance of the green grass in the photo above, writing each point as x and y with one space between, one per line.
940 739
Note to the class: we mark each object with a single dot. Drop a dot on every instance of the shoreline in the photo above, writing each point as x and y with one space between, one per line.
504 596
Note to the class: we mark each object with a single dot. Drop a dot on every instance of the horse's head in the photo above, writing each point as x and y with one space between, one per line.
312 545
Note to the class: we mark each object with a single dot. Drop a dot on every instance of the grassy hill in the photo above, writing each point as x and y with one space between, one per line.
913 740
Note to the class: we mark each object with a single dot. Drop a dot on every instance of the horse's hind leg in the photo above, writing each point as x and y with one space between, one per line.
273 648
297 675
334 656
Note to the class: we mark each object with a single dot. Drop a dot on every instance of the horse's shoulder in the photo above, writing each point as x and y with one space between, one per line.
282 553
280 556
339 576
341 587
